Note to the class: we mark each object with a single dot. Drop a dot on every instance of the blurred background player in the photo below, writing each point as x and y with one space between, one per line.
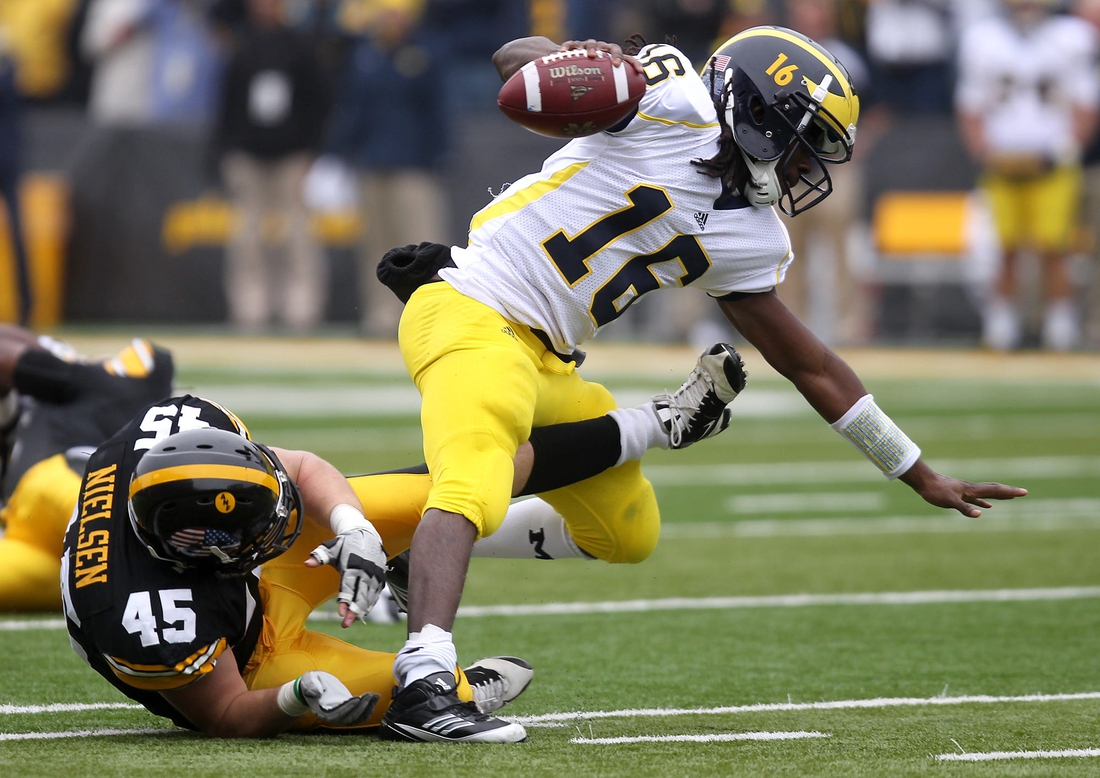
1027 102
57 406
273 108
821 287
390 124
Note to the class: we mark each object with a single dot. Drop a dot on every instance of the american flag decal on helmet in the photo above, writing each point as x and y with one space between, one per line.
196 541
720 62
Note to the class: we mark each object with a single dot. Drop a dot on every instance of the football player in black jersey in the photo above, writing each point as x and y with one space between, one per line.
55 407
193 543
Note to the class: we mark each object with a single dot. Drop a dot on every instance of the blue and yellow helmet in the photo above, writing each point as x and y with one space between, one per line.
777 90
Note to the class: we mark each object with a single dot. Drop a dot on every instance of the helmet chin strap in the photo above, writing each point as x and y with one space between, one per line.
763 188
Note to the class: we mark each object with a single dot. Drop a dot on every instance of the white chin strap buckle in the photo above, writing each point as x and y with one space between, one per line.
763 189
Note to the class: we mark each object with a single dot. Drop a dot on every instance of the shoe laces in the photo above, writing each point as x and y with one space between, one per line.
684 401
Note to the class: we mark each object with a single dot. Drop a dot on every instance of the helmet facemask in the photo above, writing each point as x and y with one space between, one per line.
808 130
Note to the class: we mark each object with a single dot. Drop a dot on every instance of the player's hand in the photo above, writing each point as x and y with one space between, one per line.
593 47
953 493
331 701
361 561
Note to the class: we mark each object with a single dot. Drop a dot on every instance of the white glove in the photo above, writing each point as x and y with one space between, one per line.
358 556
327 697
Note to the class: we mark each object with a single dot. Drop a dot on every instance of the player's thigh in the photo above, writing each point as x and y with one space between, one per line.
479 384
612 516
394 503
1004 198
29 577
1053 208
361 670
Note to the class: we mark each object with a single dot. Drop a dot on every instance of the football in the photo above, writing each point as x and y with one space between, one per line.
570 95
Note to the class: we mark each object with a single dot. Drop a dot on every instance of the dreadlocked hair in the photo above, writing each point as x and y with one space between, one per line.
637 42
727 165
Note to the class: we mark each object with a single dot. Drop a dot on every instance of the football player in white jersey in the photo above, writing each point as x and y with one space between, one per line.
1027 103
679 193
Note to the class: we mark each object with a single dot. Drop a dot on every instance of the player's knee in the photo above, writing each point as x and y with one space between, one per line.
635 548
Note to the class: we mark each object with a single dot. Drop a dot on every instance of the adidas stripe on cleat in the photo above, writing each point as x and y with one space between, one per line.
428 711
698 409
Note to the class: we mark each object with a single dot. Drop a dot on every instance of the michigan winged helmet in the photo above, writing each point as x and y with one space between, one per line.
782 94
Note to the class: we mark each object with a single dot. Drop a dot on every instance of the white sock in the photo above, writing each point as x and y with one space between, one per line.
429 651
1061 332
639 431
532 529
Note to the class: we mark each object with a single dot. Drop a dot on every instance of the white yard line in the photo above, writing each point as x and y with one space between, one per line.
20 626
858 471
67 707
560 719
782 601
994 756
806 503
1005 517
85 733
719 603
724 738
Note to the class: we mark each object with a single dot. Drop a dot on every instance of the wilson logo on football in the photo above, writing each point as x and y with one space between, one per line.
574 71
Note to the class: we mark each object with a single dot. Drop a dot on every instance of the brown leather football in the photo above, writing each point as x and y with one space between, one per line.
569 94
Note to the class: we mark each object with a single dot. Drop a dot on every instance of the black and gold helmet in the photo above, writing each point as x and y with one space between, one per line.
211 499
779 92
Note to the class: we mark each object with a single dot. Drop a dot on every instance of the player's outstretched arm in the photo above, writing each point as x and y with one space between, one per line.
356 552
835 391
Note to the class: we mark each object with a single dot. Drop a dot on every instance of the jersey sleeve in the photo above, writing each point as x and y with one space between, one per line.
674 92
161 674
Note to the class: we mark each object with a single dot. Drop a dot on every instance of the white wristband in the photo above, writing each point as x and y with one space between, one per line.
877 437
344 518
289 702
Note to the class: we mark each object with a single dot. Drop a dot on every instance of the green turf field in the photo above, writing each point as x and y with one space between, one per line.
802 616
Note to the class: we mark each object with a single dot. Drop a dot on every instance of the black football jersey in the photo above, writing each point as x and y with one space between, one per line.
138 622
71 402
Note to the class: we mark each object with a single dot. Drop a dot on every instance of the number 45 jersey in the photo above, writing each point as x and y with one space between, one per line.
138 622
618 214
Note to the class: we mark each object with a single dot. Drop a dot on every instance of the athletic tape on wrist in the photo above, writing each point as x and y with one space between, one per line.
877 437
345 518
290 702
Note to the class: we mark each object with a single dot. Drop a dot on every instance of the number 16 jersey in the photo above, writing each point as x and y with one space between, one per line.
618 214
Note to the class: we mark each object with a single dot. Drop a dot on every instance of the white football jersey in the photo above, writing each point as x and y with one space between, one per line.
618 214
1026 84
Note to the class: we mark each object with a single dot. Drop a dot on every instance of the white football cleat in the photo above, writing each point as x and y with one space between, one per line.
698 409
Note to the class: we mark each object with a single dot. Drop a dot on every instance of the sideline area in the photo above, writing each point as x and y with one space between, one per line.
209 350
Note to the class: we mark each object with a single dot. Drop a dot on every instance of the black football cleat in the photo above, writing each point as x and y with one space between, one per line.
428 711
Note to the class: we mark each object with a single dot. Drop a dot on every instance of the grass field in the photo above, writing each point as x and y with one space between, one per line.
801 616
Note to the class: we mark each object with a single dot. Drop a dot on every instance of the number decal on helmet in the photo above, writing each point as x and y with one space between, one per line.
782 76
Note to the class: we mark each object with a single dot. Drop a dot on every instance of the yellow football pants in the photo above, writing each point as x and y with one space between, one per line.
35 518
485 382
290 591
